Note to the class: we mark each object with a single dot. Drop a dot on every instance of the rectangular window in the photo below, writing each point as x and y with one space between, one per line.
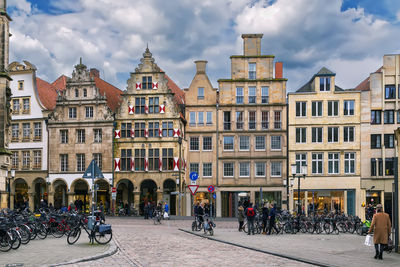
192 118
244 169
207 143
333 108
80 162
126 155
201 118
398 116
376 117
139 129
276 169
317 163
147 82
239 95
264 120
275 142
153 129
301 160
301 135
26 131
209 118
333 163
348 134
26 105
376 141
72 113
333 134
373 167
26 159
207 169
252 120
89 112
97 135
389 166
168 159
389 140
200 93
260 169
316 108
15 160
380 167
348 107
15 131
239 120
15 107
277 122
229 169
98 158
244 143
140 103
252 95
194 167
194 144
168 129
264 94
37 159
64 136
228 143
316 133
260 142
154 105
390 91
324 83
21 85
349 163
37 131
252 71
301 109
64 162
154 159
80 136
388 117
227 120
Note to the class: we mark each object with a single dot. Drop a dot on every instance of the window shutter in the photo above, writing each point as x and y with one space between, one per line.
133 164
146 164
162 108
160 164
131 110
132 133
146 133
117 134
146 109
117 164
155 85
176 164
138 86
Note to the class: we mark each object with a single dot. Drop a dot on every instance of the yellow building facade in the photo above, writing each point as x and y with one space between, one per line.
324 135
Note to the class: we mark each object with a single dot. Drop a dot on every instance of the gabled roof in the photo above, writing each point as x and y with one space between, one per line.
47 93
179 94
61 82
324 72
364 85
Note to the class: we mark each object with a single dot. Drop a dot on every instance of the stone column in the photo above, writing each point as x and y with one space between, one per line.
361 209
51 198
31 196
345 201
136 199
306 202
11 201
219 204
159 195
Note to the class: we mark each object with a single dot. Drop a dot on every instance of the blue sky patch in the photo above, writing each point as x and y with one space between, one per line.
385 9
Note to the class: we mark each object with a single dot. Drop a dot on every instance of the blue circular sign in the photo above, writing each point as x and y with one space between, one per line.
214 196
193 176
211 189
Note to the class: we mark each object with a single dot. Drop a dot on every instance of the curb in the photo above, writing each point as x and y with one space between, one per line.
316 263
111 251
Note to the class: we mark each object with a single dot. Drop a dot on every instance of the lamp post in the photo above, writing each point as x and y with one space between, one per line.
180 180
302 173
12 172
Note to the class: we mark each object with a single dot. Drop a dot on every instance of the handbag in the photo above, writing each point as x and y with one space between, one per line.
368 241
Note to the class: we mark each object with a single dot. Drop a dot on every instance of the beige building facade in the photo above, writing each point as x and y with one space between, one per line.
251 131
324 135
149 140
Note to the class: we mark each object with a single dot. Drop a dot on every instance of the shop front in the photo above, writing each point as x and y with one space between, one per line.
207 199
274 197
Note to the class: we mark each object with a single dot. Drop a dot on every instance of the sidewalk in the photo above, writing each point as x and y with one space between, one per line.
331 250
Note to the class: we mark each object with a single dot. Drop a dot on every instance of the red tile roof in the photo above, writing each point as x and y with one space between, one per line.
47 93
179 94
61 82
364 85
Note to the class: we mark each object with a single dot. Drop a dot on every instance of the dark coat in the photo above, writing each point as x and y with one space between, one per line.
381 226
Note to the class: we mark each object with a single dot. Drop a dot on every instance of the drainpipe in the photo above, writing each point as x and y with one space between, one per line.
287 153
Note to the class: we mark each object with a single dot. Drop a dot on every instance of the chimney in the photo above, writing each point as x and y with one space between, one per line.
200 66
94 73
252 44
278 70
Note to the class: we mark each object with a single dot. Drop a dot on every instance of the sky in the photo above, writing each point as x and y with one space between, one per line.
348 37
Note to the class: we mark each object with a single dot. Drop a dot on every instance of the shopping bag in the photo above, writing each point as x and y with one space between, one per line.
369 241
166 215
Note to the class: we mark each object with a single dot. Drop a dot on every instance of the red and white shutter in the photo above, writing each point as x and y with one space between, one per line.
146 133
131 110
177 132
185 164
160 164
160 132
138 86
132 133
146 164
155 85
162 108
133 164
117 164
117 134
146 109
176 164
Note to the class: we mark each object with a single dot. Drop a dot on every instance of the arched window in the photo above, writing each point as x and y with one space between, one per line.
76 93
84 92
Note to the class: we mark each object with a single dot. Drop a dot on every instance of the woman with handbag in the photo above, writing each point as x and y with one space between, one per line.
381 226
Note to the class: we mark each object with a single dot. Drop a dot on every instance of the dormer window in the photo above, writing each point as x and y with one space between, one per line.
84 92
252 71
76 93
325 84
147 82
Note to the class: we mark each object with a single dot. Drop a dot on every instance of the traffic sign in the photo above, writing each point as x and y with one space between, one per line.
211 189
113 190
114 195
193 176
193 182
193 189
93 171
214 196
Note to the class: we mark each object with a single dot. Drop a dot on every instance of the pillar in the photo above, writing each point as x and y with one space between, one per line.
383 199
136 199
11 201
291 200
253 197
218 201
306 202
31 196
363 203
159 195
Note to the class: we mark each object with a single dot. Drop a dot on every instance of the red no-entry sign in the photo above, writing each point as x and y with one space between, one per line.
113 190
211 189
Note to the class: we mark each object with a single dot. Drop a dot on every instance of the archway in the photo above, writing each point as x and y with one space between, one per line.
40 192
148 192
81 197
60 194
124 194
103 194
169 187
21 192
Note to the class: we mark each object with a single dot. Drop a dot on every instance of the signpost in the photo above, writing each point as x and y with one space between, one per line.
114 193
211 189
193 189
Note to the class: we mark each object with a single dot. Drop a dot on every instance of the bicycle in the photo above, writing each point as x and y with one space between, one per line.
197 224
102 233
157 217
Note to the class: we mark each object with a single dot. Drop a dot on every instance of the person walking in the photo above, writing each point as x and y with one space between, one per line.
271 217
250 214
381 226
146 211
241 217
265 214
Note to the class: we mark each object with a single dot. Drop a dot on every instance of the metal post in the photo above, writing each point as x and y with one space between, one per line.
9 192
298 196
396 208
180 180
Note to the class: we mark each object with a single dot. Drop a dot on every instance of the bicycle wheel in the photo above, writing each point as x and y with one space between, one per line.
5 241
74 235
16 240
287 228
41 231
25 234
245 228
211 232
194 226
328 228
200 226
57 231
103 238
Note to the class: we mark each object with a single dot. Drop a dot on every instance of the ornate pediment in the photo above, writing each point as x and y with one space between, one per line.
16 66
80 73
147 63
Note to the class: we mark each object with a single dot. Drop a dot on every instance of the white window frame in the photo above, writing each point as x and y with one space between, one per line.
349 160
256 143
301 106
280 142
349 136
245 141
89 112
334 108
318 107
264 94
317 137
245 167
233 145
200 118
301 132
233 169
206 137
252 71
347 104
278 163
200 93
209 118
319 159
332 130
257 167
207 165
301 160
192 118
192 139
334 163
252 96
239 95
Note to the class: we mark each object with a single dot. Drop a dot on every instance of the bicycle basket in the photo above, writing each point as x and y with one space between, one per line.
105 228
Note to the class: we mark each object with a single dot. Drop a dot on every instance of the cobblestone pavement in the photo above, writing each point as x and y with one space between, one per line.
144 244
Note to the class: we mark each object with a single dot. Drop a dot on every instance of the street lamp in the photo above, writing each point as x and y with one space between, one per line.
12 172
302 173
